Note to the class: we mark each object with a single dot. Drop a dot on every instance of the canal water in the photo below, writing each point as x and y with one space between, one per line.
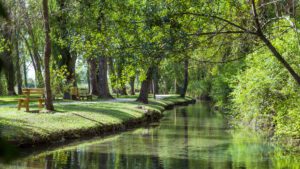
192 137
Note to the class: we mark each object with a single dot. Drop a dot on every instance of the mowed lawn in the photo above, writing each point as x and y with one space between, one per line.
72 118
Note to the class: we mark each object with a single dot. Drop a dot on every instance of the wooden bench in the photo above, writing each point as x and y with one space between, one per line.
80 94
31 94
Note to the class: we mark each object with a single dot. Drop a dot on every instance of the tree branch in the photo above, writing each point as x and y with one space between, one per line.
215 33
218 18
255 16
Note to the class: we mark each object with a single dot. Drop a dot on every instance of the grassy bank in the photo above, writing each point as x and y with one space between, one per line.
75 120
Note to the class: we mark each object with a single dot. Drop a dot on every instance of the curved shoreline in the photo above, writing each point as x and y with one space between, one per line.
150 115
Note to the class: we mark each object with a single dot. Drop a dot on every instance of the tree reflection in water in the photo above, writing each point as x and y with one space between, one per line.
187 137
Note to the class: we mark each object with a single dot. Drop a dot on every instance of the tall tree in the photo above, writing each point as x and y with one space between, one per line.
102 66
48 101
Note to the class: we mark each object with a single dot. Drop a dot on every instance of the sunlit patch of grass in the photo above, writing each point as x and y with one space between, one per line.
20 126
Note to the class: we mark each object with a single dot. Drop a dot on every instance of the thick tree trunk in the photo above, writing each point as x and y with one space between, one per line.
48 100
132 90
103 81
70 62
123 90
280 58
9 68
143 97
93 77
186 78
10 77
71 76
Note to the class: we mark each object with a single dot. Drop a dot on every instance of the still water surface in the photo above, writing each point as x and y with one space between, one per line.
187 137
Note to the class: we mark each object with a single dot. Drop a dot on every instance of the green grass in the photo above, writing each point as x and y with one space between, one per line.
71 119
8 100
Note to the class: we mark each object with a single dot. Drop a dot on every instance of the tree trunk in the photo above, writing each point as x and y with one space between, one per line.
71 76
155 80
132 90
280 58
112 75
48 100
153 89
36 64
175 86
123 90
143 97
88 77
186 78
25 74
9 68
38 71
70 62
93 77
103 81
10 76
18 66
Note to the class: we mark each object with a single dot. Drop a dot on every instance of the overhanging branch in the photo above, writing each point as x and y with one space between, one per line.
218 18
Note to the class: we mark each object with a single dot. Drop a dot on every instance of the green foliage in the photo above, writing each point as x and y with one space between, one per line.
137 35
59 83
265 95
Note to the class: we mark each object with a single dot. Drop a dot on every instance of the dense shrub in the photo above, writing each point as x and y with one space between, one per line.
265 95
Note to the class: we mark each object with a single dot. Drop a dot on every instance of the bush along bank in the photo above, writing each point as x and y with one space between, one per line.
267 98
73 121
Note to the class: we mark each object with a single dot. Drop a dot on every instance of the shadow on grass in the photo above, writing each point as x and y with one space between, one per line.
112 112
153 104
88 118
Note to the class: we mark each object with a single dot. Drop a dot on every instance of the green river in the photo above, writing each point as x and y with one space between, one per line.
192 137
